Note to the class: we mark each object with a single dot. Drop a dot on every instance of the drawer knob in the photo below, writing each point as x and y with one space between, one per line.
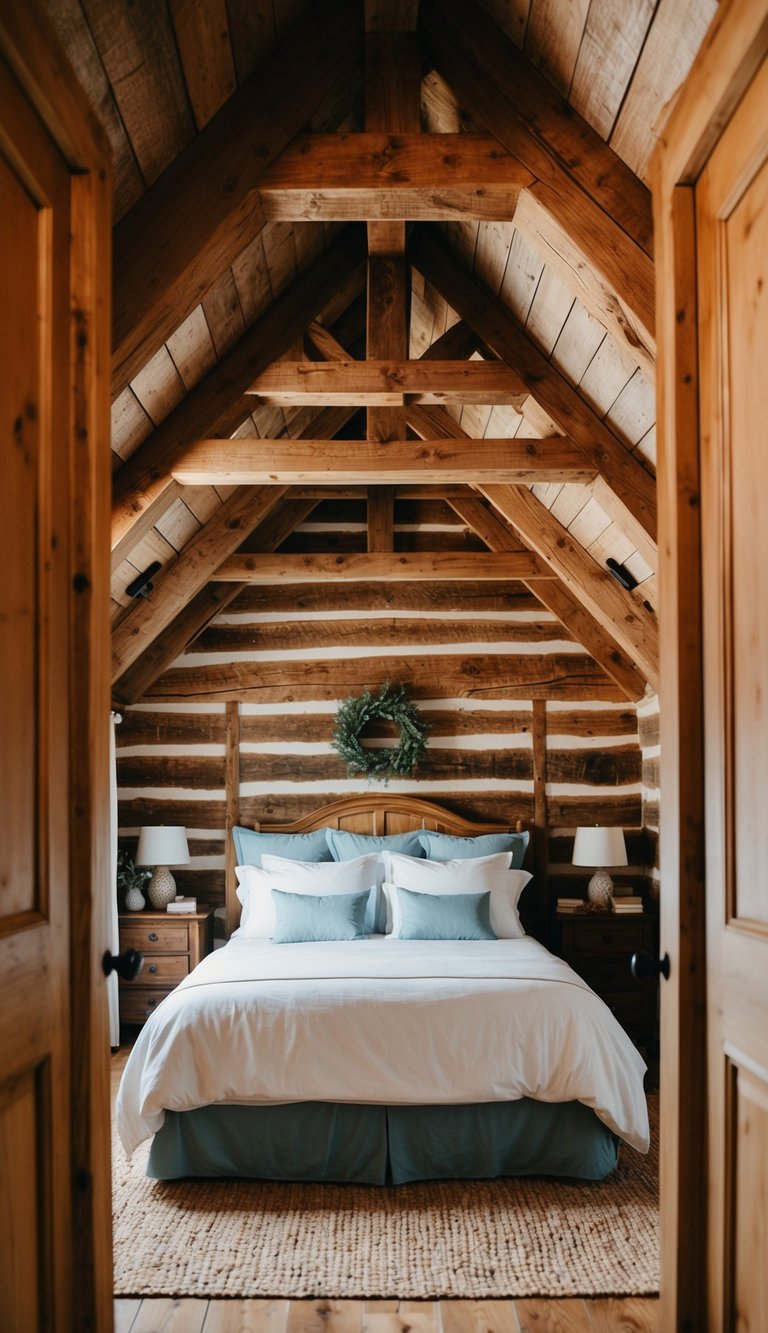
127 965
642 967
152 967
153 935
151 1002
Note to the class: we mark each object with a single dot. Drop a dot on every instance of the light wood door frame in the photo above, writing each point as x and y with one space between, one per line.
30 53
733 50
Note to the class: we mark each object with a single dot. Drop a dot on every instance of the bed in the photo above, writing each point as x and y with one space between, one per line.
381 1033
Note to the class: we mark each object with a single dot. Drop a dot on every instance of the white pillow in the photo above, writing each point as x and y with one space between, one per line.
480 874
255 885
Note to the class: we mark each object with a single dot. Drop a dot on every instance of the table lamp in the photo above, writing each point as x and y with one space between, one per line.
161 846
599 847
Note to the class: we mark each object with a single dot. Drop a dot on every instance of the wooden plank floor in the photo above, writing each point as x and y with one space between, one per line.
163 1314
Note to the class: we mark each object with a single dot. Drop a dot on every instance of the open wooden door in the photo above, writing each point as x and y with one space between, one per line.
55 1220
711 210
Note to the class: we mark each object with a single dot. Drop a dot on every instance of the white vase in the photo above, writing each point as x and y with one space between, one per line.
134 899
161 889
600 889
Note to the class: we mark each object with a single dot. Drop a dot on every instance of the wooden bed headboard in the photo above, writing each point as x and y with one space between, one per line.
372 812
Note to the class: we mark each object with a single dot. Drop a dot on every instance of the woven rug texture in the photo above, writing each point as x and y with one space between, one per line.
470 1239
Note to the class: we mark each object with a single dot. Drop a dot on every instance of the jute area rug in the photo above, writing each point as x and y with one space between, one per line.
470 1239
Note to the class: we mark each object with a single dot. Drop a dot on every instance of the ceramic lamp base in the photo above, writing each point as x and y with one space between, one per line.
599 889
161 889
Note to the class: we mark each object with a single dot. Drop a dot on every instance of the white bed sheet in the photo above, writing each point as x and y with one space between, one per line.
394 1022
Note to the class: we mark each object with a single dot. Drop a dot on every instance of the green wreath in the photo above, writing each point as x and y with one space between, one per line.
391 704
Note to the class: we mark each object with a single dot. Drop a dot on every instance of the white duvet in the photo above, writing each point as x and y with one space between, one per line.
382 1020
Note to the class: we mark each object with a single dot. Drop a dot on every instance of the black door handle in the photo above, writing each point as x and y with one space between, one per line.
643 967
127 965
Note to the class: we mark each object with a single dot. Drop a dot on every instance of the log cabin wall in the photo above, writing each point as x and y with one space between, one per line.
648 730
523 724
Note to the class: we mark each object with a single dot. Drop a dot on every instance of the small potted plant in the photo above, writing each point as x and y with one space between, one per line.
130 880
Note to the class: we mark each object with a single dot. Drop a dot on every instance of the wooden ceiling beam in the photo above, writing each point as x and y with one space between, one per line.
456 344
380 513
381 382
392 105
580 625
542 220
630 493
624 618
209 602
610 636
393 175
216 404
361 492
178 583
277 524
384 567
591 194
204 209
427 676
250 462
296 598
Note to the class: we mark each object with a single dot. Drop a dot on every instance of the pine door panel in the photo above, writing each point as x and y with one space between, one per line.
732 223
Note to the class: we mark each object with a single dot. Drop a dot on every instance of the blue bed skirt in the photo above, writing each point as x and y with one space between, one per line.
384 1145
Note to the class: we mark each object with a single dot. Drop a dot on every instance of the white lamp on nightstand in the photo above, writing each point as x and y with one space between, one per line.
162 846
600 847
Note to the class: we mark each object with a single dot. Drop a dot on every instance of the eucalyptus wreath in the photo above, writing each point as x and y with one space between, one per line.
390 704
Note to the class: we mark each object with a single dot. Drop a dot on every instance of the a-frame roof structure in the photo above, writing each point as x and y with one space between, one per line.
381 253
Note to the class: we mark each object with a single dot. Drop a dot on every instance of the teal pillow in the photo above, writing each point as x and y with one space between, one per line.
306 918
345 846
445 916
449 847
249 845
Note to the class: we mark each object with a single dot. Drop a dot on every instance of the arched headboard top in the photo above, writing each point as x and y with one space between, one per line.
378 813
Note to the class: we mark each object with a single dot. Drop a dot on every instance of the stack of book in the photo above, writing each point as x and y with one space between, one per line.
570 904
182 905
627 903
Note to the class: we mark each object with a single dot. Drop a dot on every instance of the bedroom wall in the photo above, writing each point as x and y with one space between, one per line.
523 723
648 733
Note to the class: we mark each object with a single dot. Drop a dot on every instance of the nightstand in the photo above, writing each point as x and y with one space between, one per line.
599 946
172 944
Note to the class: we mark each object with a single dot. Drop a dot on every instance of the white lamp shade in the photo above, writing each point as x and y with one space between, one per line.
599 846
162 845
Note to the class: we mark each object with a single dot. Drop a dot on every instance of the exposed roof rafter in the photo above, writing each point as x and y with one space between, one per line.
216 405
192 222
632 495
603 207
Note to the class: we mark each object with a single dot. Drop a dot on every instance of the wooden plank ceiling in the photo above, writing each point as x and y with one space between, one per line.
383 308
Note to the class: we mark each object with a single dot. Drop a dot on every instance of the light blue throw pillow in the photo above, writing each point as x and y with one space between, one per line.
449 847
304 918
345 846
249 845
445 916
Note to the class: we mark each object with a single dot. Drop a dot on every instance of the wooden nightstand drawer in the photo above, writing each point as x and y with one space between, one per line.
161 970
595 936
156 937
171 946
138 1002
